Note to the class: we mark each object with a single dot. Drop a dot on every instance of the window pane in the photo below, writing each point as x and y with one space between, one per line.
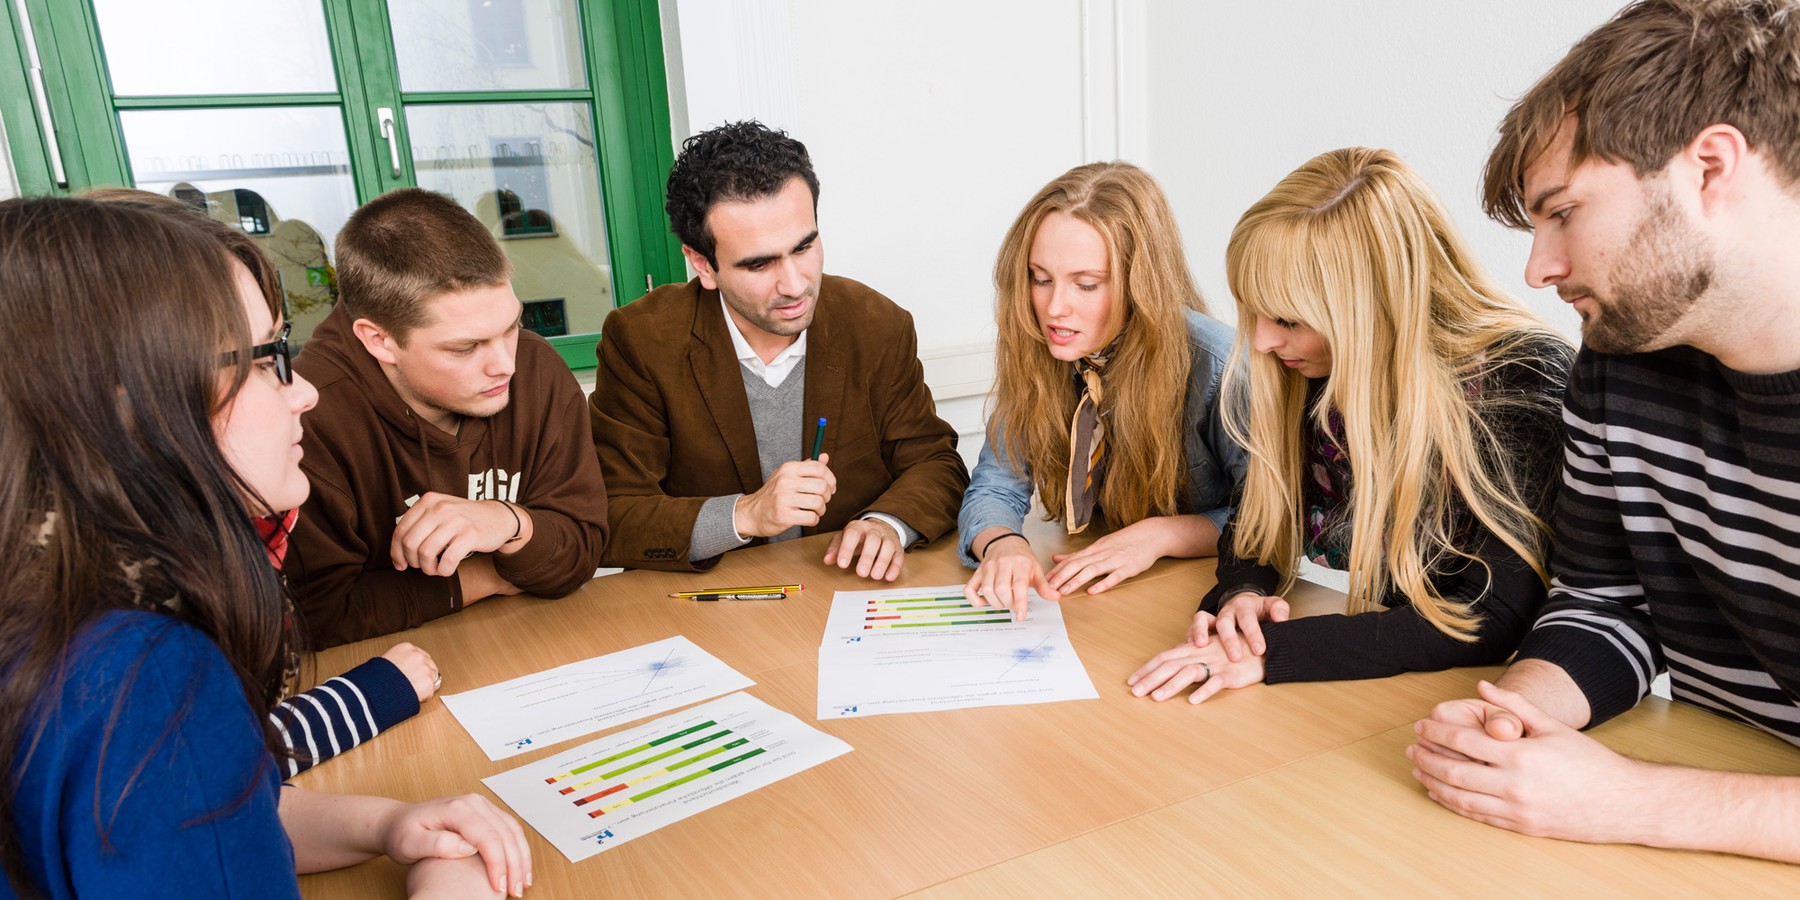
216 47
487 45
527 170
281 175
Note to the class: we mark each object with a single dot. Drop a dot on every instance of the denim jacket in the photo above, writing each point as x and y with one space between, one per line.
999 496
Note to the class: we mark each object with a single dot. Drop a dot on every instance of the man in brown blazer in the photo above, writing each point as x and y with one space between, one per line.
711 394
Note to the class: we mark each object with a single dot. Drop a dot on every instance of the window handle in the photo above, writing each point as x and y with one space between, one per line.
390 133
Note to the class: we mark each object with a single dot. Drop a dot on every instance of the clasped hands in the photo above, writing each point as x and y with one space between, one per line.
441 530
1222 651
1502 760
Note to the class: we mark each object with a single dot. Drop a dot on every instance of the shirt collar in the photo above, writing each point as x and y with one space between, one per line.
745 354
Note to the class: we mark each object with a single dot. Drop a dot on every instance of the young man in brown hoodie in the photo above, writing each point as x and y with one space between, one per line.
448 453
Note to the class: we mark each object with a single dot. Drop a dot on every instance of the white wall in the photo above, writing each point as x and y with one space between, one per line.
1241 94
932 122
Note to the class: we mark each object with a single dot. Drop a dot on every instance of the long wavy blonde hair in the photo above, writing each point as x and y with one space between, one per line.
1355 245
1146 379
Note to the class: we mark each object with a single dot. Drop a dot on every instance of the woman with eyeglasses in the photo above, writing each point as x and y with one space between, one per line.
341 712
148 417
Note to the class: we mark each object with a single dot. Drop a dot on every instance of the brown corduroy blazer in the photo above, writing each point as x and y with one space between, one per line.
672 423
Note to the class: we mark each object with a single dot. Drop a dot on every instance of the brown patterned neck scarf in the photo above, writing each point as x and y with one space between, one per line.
1087 442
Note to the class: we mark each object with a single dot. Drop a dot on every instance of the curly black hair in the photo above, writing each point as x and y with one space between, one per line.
735 161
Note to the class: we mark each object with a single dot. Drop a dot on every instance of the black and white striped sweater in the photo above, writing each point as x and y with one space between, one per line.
1678 538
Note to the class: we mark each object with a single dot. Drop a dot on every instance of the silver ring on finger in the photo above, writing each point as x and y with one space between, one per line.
437 681
1207 675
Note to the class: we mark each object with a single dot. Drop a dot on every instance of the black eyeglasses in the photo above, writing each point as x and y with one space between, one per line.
278 348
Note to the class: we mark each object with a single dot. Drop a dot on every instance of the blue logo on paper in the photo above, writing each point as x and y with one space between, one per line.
846 710
521 744
853 640
602 836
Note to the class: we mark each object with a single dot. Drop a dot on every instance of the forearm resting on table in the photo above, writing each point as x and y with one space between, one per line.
1724 812
331 831
480 580
1185 537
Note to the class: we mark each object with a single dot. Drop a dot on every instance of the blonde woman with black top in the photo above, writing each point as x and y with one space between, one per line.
1403 424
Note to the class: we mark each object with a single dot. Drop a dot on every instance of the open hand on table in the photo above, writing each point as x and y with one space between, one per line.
1208 668
1110 559
1008 570
882 553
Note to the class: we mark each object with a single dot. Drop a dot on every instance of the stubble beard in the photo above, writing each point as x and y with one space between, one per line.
1665 271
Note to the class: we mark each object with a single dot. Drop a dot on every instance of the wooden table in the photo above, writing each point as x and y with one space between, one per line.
1293 789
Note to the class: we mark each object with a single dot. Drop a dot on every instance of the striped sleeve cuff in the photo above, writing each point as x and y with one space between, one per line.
1597 658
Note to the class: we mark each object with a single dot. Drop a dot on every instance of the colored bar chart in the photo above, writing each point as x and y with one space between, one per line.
930 612
628 784
939 612
921 649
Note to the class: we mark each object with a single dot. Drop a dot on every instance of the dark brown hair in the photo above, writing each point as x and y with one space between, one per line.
408 246
241 246
1643 85
118 496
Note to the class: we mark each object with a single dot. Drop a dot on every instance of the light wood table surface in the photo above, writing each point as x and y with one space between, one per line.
1292 789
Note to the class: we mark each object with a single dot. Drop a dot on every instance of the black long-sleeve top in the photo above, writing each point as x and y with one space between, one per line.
1397 639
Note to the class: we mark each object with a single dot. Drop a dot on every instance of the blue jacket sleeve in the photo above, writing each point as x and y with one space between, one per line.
343 712
169 793
997 496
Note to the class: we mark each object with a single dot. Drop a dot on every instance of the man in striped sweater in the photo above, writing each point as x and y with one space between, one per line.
1658 166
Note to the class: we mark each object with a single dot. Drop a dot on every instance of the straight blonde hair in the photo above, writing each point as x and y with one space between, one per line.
1355 245
1146 379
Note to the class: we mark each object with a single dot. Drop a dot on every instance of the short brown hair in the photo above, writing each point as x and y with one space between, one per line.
406 247
1645 83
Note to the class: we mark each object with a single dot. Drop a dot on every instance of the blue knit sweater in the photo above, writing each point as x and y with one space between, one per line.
170 793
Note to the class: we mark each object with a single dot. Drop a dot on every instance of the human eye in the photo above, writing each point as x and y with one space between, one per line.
462 351
1089 287
1286 323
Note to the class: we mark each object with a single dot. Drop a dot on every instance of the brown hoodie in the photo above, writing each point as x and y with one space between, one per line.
367 453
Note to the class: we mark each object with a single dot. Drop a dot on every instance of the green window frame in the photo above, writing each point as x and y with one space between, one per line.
627 95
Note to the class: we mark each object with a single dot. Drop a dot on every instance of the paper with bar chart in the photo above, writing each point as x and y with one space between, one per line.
560 704
626 785
931 612
922 649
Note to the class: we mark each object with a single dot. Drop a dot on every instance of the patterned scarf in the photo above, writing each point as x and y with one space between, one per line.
1087 441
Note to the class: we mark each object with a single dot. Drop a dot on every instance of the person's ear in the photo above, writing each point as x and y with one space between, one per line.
1714 164
377 341
709 279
